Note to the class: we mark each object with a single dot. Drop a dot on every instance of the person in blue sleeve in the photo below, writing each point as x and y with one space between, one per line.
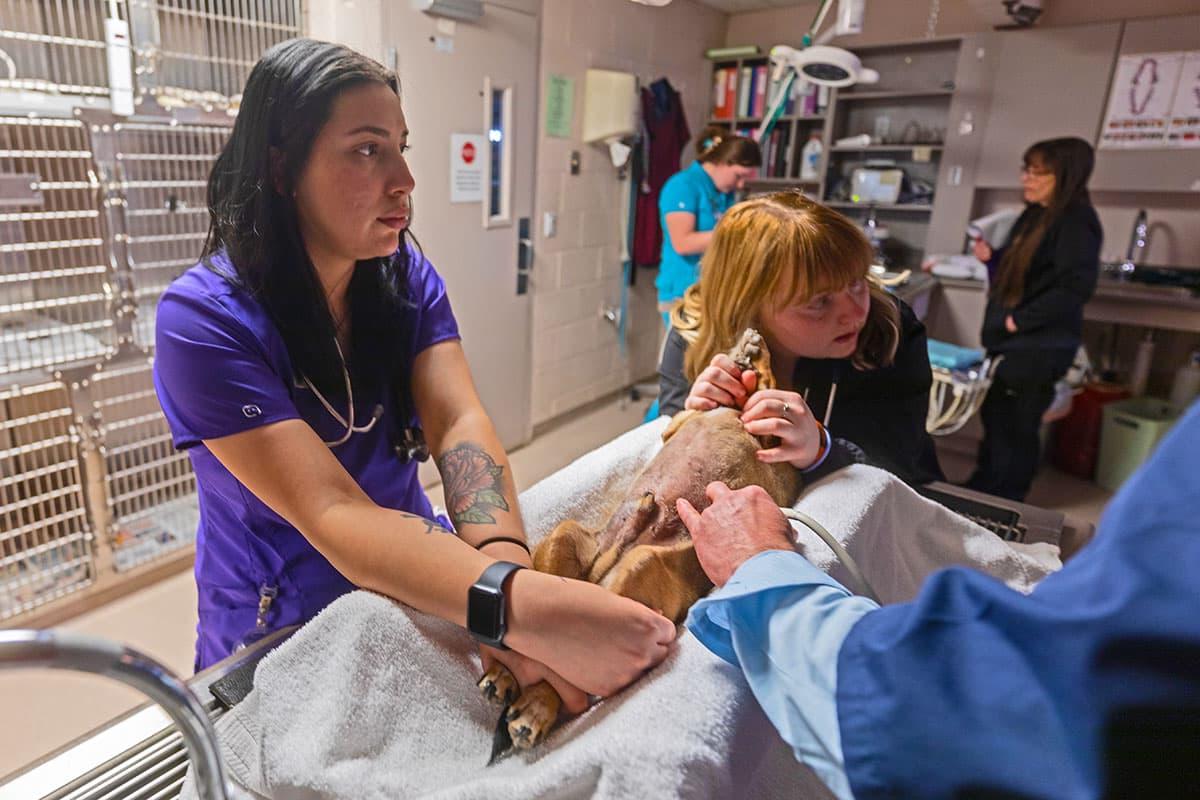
973 689
312 358
692 202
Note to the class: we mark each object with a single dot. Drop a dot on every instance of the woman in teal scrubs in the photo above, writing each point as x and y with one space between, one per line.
692 202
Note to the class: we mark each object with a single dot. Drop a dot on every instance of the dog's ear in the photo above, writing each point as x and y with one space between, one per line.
677 422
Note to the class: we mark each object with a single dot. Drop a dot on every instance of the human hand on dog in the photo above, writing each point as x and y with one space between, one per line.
736 526
592 638
528 672
722 383
784 415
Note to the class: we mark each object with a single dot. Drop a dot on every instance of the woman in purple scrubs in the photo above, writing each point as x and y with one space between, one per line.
298 362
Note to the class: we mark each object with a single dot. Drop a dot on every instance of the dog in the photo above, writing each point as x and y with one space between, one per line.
645 552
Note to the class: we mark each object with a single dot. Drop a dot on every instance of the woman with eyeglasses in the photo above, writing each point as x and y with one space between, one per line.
1041 278
299 363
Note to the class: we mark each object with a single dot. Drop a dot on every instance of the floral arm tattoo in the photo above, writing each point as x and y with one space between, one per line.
473 484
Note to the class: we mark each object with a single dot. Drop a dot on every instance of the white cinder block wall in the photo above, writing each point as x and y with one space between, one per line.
576 355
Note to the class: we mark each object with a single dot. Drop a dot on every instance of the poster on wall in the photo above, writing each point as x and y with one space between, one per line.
1183 129
467 152
1139 102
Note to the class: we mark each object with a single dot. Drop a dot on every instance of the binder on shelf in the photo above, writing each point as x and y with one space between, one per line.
760 92
719 110
743 92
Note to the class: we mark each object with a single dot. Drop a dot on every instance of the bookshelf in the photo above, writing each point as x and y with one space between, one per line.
907 115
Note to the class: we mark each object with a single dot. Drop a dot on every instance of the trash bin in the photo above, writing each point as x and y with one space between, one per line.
1077 436
1131 430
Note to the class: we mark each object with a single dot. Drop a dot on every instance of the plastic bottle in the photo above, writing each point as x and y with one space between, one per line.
1187 383
810 158
1141 365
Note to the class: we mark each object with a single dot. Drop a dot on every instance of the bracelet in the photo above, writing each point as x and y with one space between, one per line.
826 446
510 539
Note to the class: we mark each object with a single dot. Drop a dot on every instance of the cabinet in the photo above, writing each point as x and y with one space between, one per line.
1042 84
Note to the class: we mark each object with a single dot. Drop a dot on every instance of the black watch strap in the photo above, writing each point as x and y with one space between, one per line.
487 605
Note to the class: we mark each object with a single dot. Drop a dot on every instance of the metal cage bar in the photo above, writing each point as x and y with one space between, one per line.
54 266
150 486
45 540
162 173
56 46
206 48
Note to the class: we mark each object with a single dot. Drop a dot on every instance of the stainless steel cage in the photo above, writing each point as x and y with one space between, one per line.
45 538
56 46
161 174
55 286
200 52
98 213
149 486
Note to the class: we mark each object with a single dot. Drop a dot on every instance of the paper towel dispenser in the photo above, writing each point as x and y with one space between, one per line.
609 105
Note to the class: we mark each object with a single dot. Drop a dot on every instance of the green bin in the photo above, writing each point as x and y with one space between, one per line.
1131 430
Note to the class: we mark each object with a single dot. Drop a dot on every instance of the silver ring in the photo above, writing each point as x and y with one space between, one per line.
786 408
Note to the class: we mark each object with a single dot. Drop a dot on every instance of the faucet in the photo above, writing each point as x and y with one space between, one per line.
1138 242
53 649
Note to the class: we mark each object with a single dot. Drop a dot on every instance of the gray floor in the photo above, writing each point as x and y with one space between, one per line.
54 708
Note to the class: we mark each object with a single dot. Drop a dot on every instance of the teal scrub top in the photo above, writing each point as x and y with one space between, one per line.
689 190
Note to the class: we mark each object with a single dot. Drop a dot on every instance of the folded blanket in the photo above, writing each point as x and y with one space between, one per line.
372 699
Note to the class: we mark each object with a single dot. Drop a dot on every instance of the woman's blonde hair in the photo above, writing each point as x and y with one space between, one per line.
780 245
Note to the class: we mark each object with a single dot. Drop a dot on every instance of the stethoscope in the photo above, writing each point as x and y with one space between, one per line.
411 445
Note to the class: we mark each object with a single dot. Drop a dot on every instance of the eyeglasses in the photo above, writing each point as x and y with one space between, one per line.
1035 173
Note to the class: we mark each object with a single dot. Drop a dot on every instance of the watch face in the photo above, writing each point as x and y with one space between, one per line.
485 612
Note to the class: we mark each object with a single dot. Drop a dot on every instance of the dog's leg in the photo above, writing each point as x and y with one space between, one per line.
532 715
664 577
568 550
499 686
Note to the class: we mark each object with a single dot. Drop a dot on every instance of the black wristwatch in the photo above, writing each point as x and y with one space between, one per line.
487 607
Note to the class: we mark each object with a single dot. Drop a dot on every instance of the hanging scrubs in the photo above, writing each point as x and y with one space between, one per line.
973 689
222 368
691 191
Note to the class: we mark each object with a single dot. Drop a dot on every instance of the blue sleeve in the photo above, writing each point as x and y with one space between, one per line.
435 318
976 690
214 377
678 195
782 622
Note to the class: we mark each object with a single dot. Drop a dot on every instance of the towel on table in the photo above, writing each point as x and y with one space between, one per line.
372 699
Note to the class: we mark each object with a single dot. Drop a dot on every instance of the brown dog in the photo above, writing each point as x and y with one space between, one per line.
645 552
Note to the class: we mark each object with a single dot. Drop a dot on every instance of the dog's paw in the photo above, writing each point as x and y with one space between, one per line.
532 715
747 349
499 686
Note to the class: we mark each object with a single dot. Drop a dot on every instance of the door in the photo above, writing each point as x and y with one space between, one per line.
477 78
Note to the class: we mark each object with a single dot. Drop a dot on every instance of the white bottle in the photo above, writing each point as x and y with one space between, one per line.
1187 383
1140 373
810 158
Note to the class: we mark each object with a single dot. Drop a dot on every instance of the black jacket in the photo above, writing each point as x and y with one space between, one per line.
882 411
1060 280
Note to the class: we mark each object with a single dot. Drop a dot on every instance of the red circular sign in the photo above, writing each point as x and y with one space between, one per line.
468 153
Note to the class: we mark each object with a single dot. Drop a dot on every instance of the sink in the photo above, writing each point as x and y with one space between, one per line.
1151 275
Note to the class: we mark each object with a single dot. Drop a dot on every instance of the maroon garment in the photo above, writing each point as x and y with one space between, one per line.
667 132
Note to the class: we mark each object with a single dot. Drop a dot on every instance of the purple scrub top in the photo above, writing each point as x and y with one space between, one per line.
221 368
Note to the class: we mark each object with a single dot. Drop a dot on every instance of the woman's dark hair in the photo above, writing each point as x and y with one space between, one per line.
716 145
1071 160
288 98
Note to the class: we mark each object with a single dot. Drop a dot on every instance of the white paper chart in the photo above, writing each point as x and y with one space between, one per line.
1140 100
1183 129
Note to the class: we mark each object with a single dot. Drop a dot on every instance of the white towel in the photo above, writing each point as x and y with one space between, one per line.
372 699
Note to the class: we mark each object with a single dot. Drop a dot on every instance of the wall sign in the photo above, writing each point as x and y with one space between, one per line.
560 96
468 151
1154 102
